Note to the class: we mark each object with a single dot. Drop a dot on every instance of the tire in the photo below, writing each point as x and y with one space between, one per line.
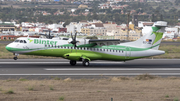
72 62
15 58
86 63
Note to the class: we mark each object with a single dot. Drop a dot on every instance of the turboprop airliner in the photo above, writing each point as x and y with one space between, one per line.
112 50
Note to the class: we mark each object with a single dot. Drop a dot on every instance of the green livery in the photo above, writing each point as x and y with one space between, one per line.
93 50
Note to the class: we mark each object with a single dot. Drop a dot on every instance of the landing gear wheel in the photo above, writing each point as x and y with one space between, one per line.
72 62
86 63
15 58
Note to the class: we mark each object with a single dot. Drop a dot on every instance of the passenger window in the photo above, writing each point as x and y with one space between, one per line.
45 45
21 41
58 46
61 46
55 46
48 45
119 51
52 45
122 51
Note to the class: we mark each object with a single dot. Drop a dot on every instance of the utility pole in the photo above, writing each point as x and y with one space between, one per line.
49 34
128 14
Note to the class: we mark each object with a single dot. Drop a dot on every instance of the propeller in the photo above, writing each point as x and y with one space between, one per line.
74 39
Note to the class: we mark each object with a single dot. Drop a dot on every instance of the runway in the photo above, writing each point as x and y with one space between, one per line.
59 67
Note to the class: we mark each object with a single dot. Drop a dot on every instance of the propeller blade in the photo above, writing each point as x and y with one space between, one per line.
75 36
71 36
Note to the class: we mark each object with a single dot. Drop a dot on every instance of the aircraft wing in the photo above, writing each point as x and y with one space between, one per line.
106 42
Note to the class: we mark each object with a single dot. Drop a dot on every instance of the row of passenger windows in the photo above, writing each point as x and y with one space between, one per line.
84 48
20 41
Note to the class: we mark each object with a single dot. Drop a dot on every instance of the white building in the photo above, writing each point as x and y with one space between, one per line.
144 23
111 32
54 27
170 32
73 27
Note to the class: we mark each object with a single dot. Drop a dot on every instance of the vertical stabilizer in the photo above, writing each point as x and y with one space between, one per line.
152 39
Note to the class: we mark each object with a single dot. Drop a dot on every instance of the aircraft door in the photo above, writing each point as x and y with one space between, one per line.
128 53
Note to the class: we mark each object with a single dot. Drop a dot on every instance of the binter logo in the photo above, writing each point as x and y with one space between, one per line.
48 42
148 41
30 40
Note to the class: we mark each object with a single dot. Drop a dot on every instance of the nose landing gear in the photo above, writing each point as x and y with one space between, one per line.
15 58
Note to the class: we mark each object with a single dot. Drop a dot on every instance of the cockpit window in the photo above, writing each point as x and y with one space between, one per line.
16 41
21 41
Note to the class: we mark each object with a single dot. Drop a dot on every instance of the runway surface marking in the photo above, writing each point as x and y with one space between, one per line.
106 69
94 74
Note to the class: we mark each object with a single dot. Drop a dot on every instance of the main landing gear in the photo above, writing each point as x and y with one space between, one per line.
85 62
15 57
72 62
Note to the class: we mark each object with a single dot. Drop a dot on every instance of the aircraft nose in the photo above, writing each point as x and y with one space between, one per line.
9 48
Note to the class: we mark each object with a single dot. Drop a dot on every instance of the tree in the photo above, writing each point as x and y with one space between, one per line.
161 17
95 16
50 22
177 2
153 18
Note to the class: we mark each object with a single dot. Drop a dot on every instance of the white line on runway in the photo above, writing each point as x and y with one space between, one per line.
95 74
108 69
52 62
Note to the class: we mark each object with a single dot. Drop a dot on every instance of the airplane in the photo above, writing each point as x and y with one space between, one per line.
92 49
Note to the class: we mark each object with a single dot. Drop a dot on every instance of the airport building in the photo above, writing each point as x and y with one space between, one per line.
7 27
